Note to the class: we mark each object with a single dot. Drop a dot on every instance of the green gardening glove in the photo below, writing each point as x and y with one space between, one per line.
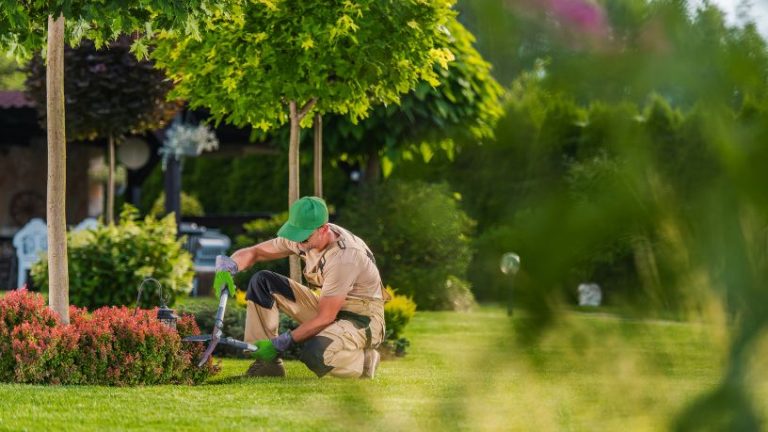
222 278
270 348
266 351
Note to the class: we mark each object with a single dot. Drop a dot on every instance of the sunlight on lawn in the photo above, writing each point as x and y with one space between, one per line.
464 371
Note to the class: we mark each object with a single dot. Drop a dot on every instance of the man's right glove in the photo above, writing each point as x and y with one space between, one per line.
269 349
225 268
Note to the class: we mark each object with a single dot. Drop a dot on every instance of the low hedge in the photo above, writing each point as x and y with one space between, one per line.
111 346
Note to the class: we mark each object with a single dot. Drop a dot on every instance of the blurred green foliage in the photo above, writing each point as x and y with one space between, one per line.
258 231
242 184
108 263
11 75
632 150
421 239
190 205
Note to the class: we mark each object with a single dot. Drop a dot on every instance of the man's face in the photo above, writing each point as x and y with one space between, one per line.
312 241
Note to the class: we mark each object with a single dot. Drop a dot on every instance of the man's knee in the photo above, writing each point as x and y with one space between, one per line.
264 284
313 355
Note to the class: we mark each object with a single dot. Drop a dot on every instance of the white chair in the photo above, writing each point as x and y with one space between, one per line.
29 242
86 224
208 247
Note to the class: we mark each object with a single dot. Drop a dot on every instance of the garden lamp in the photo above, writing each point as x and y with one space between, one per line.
165 314
510 265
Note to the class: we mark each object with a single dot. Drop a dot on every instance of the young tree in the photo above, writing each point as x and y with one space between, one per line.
109 93
463 108
30 27
269 63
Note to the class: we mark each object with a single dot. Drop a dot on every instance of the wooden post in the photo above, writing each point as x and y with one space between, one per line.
318 159
293 179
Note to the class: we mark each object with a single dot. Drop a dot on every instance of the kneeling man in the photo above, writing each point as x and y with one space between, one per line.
342 326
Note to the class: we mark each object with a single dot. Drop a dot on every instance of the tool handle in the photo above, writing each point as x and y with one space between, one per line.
239 344
219 322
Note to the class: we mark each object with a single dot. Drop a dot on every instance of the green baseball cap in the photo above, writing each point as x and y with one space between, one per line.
305 216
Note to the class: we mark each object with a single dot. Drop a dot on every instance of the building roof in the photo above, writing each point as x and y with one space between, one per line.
15 99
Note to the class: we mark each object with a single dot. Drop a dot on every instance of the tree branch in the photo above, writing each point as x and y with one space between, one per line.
308 106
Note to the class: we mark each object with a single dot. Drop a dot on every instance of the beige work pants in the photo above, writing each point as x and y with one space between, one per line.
337 350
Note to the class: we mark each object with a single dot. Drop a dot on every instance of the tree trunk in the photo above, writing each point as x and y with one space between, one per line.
318 159
58 272
647 269
372 173
111 181
293 178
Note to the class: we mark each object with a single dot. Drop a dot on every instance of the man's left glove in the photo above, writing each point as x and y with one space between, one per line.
270 348
225 268
225 263
222 278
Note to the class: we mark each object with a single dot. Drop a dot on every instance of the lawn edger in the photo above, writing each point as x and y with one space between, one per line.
222 281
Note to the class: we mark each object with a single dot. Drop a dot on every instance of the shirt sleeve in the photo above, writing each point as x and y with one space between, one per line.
340 275
285 245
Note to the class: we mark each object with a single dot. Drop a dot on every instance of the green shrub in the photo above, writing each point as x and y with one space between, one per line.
190 205
397 314
108 263
420 238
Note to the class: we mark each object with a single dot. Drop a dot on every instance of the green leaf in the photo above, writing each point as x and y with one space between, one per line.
139 49
386 166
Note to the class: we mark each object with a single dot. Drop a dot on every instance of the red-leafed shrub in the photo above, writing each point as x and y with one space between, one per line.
111 346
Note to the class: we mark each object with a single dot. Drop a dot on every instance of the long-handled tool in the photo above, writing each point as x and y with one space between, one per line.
215 338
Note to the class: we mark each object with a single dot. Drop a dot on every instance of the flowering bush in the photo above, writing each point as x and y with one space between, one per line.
397 314
111 346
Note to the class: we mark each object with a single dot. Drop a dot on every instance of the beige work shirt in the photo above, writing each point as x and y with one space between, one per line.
345 267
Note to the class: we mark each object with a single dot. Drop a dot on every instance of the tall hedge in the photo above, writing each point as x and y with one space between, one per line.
421 239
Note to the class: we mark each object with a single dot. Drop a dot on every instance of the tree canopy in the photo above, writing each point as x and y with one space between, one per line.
463 108
109 91
23 25
345 55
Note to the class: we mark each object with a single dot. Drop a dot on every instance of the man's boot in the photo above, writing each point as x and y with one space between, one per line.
370 363
262 368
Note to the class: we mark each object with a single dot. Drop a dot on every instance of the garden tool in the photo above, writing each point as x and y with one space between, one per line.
225 285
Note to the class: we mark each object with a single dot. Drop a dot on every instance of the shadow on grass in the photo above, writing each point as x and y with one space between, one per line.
243 379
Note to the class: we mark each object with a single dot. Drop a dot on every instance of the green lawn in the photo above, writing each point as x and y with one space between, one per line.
464 372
